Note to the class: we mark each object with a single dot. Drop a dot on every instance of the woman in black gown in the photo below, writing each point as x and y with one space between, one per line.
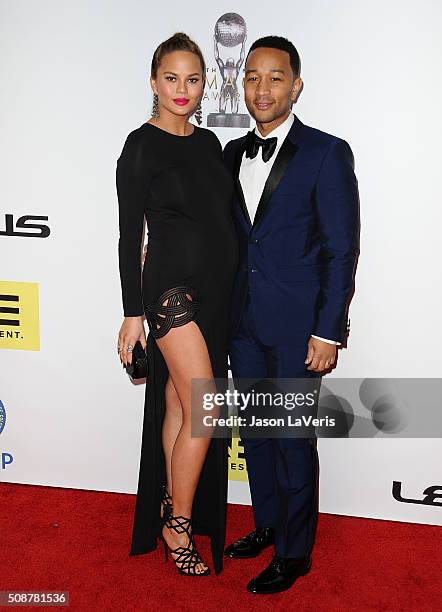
171 173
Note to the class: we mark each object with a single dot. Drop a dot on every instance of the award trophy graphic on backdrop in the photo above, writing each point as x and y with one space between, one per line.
230 31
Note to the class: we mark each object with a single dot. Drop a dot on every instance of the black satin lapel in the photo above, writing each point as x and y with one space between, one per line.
238 187
285 154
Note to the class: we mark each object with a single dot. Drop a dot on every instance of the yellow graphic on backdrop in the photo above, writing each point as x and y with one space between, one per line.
237 462
19 316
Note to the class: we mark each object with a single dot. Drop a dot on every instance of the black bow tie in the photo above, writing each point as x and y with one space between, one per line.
253 142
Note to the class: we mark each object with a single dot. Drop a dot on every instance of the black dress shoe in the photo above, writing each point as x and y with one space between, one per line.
279 575
251 545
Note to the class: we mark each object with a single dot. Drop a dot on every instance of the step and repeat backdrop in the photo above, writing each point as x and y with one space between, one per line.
75 82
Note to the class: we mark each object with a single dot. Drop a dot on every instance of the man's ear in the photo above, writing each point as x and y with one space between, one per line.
298 84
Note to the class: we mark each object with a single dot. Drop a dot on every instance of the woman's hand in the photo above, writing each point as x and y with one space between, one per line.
131 331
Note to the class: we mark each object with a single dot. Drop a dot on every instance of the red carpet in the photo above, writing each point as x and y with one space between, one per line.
78 541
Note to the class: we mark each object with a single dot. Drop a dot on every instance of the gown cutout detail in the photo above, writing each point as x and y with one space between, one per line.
177 311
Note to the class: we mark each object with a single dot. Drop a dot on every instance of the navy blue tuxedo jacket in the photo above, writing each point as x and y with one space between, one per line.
298 257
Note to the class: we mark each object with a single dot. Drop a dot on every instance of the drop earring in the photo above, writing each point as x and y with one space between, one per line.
199 114
155 107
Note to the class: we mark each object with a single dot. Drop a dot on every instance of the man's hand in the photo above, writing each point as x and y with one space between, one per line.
320 355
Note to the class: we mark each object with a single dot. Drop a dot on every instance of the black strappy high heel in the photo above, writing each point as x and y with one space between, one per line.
187 556
166 502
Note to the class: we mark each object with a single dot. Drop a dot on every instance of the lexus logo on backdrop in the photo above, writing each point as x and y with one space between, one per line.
432 496
25 226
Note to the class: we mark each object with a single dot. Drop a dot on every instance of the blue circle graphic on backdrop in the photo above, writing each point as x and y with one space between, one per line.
2 416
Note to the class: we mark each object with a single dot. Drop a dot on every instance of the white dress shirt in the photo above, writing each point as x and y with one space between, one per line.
254 172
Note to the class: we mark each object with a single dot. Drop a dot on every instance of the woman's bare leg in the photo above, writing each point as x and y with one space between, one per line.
186 356
173 420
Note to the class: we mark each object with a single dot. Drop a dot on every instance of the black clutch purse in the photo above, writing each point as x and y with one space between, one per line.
138 368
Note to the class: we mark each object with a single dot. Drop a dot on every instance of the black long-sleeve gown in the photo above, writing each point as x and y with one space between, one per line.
181 186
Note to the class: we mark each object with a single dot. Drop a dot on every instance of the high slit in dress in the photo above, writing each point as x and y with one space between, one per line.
180 185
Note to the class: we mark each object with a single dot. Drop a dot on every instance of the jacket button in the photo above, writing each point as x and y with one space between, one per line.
253 270
253 240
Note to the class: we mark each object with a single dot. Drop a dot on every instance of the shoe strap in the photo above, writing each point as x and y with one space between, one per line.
179 523
187 558
167 499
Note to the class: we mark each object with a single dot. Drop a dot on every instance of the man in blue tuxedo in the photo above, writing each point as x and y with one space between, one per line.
296 210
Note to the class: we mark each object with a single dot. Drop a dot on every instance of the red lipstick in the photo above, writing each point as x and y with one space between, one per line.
181 101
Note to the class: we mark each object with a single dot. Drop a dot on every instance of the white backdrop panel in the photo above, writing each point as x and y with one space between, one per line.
74 80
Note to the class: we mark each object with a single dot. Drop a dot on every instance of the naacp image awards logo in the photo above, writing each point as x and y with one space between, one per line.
229 49
2 416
